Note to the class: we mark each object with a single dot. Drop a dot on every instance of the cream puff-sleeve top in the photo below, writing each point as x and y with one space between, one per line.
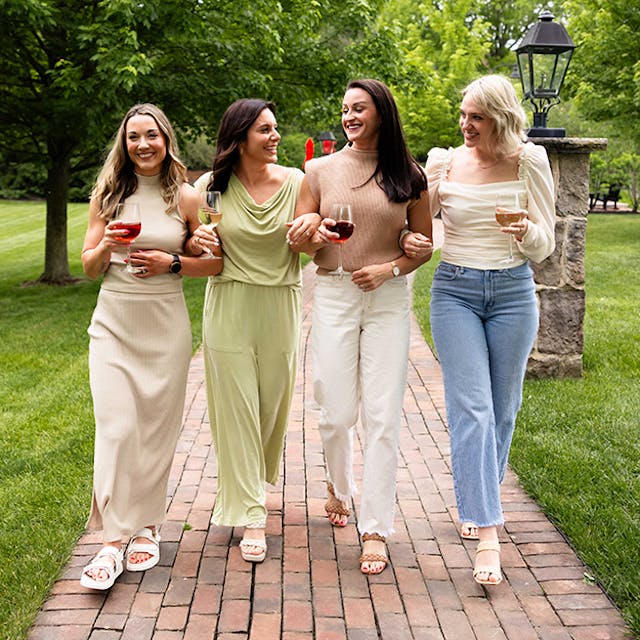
472 237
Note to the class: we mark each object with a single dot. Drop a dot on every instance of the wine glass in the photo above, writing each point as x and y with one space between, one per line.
508 211
210 212
127 219
343 226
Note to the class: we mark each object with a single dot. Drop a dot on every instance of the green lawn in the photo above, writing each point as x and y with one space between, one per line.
46 423
577 443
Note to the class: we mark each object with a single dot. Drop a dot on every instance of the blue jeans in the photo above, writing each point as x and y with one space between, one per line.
484 324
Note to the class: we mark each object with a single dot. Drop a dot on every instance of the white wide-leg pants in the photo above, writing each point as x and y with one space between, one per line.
360 354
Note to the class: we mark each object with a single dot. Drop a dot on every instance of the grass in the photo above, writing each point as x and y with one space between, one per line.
576 448
46 420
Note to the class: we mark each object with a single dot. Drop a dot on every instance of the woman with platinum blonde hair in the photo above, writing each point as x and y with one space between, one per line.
496 196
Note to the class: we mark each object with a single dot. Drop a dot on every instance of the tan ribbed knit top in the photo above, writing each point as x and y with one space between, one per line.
341 178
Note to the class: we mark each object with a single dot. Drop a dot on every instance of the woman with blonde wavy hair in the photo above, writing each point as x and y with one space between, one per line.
484 314
140 338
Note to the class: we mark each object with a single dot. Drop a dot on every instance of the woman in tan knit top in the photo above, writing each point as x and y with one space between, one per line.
361 318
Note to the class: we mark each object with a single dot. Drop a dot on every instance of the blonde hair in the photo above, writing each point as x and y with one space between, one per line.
497 99
117 179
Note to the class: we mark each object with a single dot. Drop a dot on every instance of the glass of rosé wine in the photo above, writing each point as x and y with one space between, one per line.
343 226
127 220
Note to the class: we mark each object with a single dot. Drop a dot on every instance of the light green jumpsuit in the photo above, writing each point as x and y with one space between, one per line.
251 334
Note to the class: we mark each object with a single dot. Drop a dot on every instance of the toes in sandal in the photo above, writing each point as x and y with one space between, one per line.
334 507
247 543
109 560
368 558
468 531
490 569
152 549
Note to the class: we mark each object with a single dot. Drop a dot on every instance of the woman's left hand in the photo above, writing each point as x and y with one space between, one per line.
302 228
150 262
371 277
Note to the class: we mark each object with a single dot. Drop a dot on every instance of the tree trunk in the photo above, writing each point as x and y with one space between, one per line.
56 260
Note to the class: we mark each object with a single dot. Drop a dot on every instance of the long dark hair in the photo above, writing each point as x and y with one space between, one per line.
397 173
235 124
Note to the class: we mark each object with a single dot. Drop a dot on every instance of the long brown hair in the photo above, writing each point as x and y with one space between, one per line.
117 179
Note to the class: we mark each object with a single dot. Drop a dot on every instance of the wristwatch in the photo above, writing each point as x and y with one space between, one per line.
176 265
395 269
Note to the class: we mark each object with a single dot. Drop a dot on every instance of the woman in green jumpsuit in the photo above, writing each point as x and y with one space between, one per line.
252 314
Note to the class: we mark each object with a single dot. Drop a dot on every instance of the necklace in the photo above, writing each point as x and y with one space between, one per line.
488 166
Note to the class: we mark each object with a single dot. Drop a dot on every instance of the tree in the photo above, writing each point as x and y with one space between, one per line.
69 69
604 76
443 46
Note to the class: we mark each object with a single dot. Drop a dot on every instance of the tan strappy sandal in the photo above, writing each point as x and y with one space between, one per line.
334 507
490 569
373 557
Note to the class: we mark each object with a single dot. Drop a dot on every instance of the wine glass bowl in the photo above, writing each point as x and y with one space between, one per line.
341 214
127 219
210 213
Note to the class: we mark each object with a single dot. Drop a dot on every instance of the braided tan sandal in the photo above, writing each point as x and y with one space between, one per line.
368 558
334 507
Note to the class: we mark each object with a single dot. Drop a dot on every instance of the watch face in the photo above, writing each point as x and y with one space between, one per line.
396 271
176 265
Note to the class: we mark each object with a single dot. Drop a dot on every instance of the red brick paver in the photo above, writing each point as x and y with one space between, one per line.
310 586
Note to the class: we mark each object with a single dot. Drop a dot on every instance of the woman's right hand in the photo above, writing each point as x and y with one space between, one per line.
416 245
207 238
109 239
325 235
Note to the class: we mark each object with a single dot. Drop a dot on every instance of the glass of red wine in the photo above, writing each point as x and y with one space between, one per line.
343 226
127 219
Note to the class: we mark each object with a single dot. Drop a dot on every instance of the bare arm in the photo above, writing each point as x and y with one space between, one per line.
372 276
96 250
302 234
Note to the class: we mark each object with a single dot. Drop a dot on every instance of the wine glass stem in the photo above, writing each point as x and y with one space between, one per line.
340 269
510 248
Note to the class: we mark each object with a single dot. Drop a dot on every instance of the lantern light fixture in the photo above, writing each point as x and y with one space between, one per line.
543 57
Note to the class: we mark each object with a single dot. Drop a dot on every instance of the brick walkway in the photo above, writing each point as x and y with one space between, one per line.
310 586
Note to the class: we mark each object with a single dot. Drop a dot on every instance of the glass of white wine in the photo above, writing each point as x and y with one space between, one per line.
508 211
210 212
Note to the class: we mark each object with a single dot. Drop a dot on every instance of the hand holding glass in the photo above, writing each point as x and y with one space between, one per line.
127 219
508 212
210 213
343 226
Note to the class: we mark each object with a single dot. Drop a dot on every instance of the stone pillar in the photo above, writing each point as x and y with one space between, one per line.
557 352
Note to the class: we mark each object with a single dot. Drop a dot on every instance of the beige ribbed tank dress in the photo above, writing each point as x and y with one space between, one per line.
139 353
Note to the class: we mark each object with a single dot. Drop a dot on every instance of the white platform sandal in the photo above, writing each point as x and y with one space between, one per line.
152 548
109 560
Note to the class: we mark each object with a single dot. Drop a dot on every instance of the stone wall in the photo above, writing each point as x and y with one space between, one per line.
560 278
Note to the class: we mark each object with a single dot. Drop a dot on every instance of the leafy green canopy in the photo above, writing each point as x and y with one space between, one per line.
69 69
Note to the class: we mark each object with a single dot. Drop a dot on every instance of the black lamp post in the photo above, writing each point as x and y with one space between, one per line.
543 59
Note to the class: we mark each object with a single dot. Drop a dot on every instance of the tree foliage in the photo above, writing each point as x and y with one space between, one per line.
604 75
70 69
